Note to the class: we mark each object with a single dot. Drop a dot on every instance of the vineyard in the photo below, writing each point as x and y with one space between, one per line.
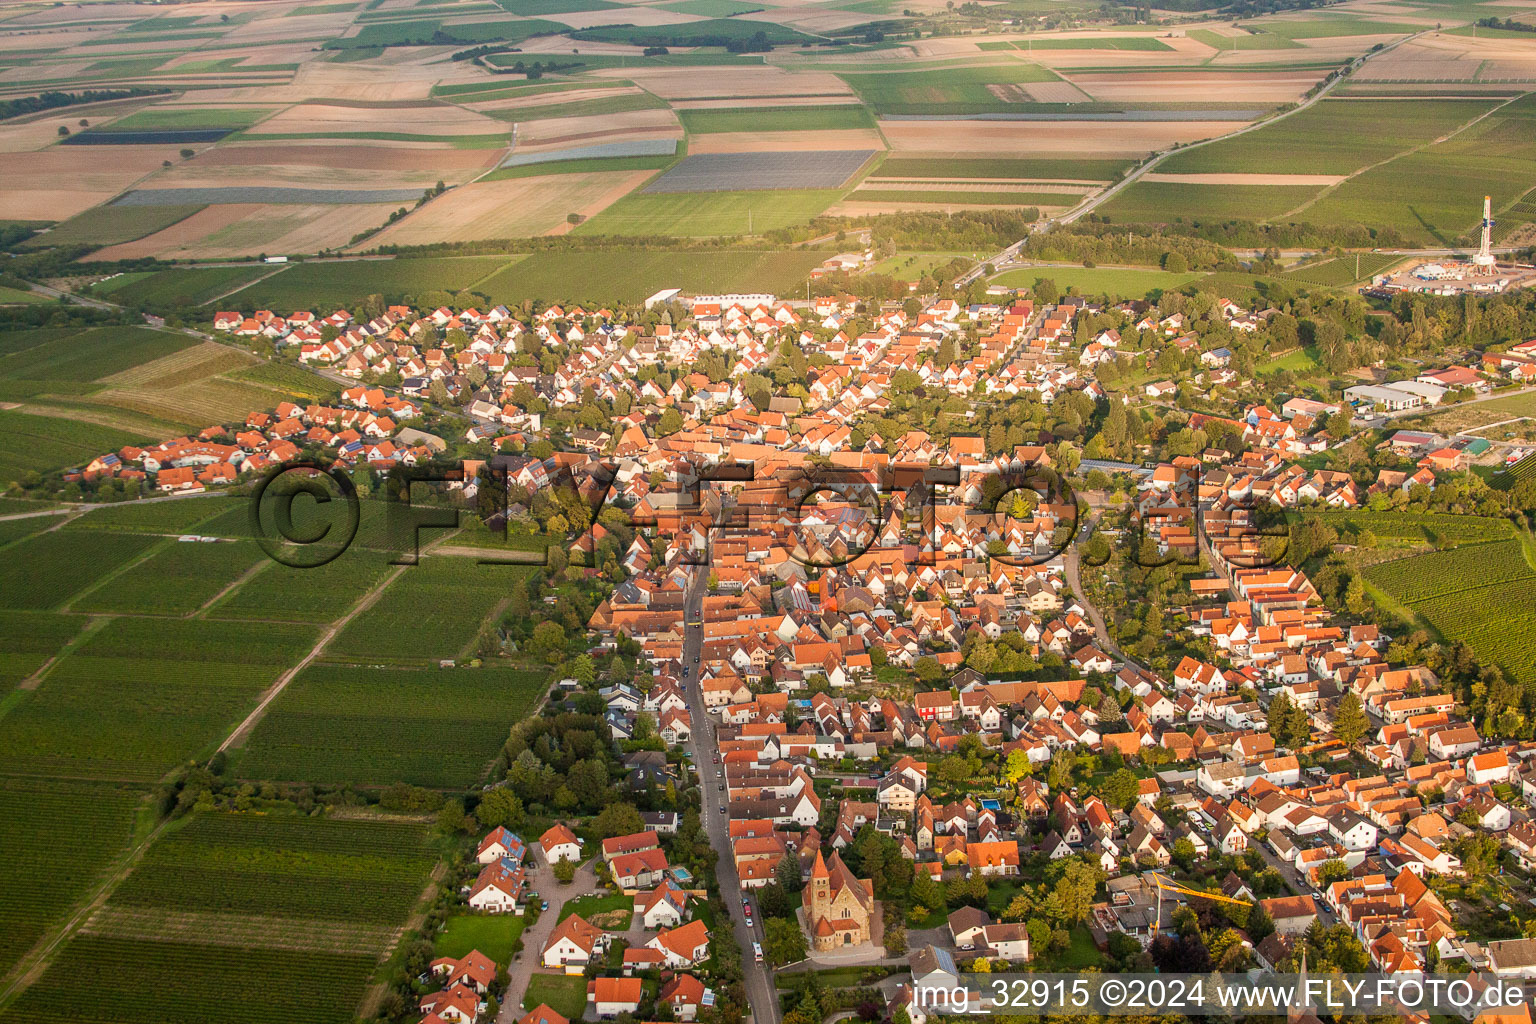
176 580
140 696
253 896
1344 270
432 611
428 727
59 840
1481 594
1428 527
31 638
171 517
320 594
45 570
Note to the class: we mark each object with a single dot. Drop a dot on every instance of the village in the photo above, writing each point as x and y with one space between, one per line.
883 684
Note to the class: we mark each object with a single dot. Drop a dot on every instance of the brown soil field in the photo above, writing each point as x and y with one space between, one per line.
791 142
1055 92
1069 193
192 174
180 238
424 119
1029 138
1248 179
516 207
563 131
290 229
29 181
809 19
26 138
1273 87
565 44
687 83
370 157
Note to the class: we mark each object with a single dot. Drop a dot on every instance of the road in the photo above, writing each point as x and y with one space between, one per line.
762 995
541 878
1093 202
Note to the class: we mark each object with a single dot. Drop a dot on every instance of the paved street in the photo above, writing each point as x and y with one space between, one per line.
762 997
542 878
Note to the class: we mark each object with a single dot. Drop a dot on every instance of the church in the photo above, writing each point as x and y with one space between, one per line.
838 906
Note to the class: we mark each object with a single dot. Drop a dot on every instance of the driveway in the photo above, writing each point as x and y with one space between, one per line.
542 878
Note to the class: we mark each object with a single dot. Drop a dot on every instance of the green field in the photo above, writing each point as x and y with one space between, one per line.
153 118
178 579
432 611
711 32
320 594
1243 41
31 443
31 638
1334 136
240 918
189 287
171 517
775 119
289 378
1481 594
707 214
52 356
1298 360
1330 25
1128 283
325 286
108 225
1344 270
631 275
582 108
536 8
42 572
1025 168
969 197
564 994
15 296
1434 196
944 90
60 839
140 696
1164 202
373 727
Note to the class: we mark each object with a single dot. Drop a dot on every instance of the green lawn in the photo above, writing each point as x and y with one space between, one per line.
1129 283
609 905
1299 360
565 994
628 275
705 214
1243 41
492 934
176 117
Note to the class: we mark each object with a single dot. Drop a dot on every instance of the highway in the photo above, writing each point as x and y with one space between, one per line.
762 996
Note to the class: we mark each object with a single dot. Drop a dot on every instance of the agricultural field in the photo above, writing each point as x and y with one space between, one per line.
246 918
163 517
1116 282
432 611
631 275
32 638
1024 168
972 90
758 171
1481 594
1164 202
178 579
30 443
79 357
189 287
44 571
109 225
320 594
776 119
1470 416
693 215
1334 136
328 286
62 838
139 696
373 727
1343 270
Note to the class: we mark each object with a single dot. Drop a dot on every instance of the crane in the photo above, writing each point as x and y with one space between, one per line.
1168 886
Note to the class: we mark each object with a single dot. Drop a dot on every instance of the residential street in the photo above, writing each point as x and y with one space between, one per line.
542 878
762 996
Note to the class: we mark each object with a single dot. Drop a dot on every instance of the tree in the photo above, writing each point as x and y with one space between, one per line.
1349 721
928 669
1121 789
1175 263
565 871
670 423
784 942
617 819
1260 924
500 807
787 874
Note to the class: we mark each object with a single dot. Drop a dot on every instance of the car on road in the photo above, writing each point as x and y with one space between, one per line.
722 787
685 671
722 808
695 659
544 905
746 904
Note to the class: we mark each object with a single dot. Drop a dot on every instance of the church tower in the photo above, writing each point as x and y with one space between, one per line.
821 888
